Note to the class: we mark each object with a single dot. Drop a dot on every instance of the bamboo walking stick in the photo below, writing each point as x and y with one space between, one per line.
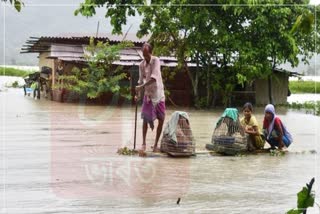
135 126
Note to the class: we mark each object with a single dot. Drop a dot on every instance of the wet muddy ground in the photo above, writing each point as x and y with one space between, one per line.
61 158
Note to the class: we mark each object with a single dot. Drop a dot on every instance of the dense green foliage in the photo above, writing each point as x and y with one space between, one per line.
100 76
14 72
231 45
304 87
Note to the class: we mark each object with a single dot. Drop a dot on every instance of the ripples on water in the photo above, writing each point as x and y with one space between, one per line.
62 158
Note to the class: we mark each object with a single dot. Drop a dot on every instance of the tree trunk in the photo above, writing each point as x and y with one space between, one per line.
271 101
194 80
270 89
195 86
209 97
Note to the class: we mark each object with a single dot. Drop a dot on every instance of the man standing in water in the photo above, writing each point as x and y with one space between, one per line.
153 106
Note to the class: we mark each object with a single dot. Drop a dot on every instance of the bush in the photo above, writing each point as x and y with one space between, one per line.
15 84
13 72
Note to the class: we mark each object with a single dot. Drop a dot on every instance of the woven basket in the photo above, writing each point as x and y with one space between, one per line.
185 141
228 137
168 146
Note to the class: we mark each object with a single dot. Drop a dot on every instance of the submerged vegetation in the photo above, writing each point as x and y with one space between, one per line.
15 84
126 151
276 152
312 107
4 71
304 87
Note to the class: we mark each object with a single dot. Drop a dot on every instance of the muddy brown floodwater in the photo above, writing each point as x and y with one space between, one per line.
61 158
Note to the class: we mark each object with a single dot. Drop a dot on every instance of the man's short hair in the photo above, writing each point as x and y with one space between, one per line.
147 45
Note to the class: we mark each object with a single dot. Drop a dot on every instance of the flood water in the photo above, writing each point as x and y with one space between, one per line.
61 158
302 98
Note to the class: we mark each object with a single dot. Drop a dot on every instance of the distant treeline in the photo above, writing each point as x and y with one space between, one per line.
304 87
13 72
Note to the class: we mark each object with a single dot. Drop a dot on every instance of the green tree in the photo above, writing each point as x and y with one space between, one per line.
317 28
268 40
16 3
101 75
175 28
232 42
170 33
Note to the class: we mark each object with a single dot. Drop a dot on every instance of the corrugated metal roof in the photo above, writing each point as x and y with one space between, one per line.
71 59
175 64
167 58
130 57
41 44
61 50
130 51
128 37
111 37
126 63
73 48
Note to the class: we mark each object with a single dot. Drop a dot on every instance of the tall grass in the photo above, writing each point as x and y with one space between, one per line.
13 72
304 87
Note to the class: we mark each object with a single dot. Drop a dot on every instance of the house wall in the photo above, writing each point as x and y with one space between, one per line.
280 83
179 88
52 63
68 66
44 61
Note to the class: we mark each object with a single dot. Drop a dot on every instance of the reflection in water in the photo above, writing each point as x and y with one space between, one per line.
302 98
62 158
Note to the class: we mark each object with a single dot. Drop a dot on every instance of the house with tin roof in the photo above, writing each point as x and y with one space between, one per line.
70 51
